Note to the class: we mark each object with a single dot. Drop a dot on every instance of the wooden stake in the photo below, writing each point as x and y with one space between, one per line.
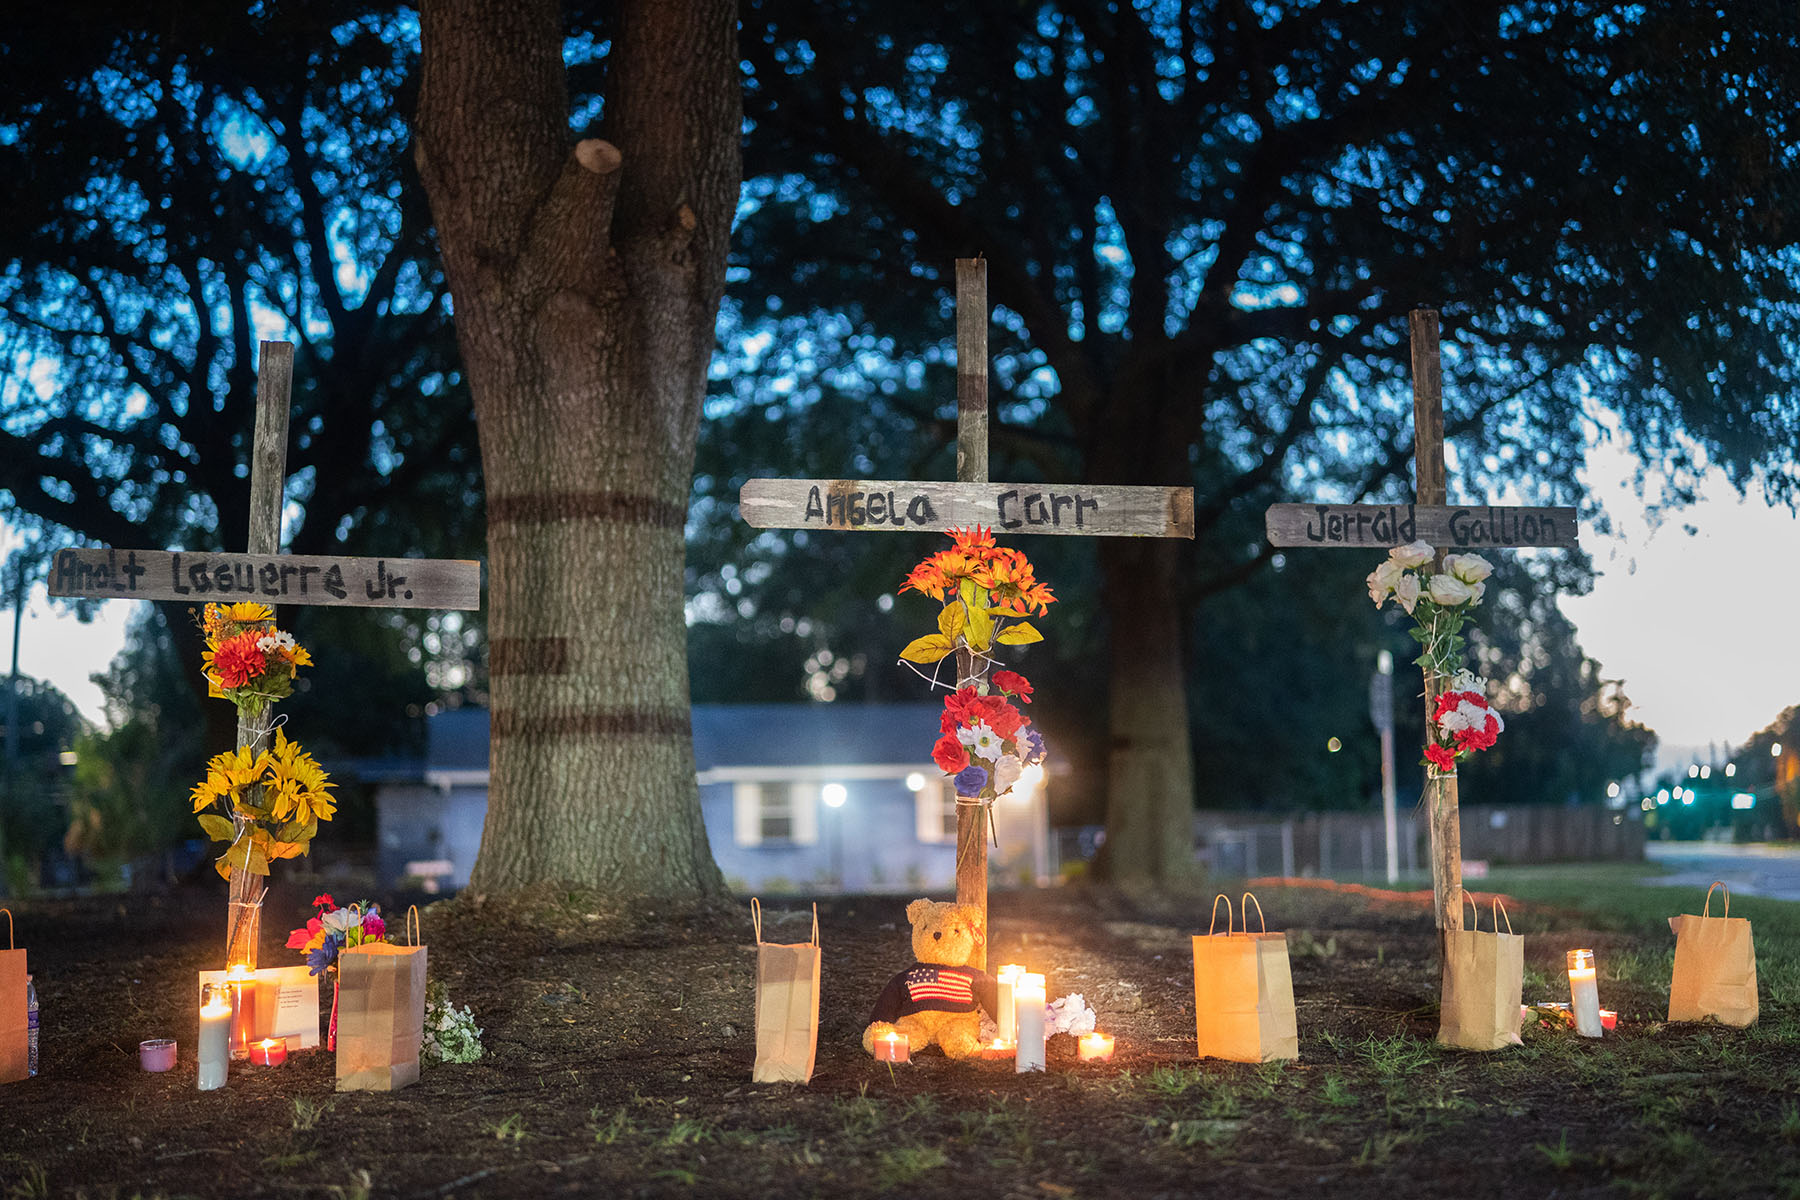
1428 453
972 467
268 474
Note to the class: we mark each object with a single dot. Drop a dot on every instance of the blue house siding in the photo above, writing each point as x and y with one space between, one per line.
870 844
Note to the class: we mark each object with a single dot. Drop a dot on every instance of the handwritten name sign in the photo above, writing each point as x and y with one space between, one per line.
277 579
869 505
1381 525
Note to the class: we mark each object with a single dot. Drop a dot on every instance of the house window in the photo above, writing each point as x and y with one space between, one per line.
776 812
935 814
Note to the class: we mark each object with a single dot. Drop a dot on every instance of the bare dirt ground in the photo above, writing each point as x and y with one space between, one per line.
619 1054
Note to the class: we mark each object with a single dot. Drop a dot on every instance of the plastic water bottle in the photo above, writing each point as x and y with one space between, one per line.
31 1024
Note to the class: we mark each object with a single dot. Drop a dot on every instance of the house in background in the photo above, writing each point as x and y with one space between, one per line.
795 797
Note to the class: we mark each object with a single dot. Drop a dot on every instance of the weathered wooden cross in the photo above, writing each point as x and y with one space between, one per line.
889 506
1464 529
266 576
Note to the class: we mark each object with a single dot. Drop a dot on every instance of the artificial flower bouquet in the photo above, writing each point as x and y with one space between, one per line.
985 591
265 801
329 932
1439 601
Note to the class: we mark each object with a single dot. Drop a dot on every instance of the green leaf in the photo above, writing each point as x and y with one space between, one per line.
218 828
927 649
1021 634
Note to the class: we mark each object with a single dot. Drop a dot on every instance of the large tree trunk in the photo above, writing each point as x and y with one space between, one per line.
1150 766
586 280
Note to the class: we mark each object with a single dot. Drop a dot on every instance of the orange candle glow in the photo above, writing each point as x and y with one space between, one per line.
1096 1047
270 1052
893 1047
242 980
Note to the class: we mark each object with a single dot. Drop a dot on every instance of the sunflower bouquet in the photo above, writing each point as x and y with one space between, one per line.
264 801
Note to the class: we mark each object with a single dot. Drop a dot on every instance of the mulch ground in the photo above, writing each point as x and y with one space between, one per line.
619 1054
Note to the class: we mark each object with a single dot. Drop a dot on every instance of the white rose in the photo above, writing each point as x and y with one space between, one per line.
1382 580
1413 554
1449 591
1407 591
1470 568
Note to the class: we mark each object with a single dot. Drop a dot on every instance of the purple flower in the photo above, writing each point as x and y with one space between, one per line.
970 780
1034 745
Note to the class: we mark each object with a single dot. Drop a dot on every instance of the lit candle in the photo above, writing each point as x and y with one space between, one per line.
1008 976
1028 1020
893 1047
157 1054
270 1052
1584 995
243 1004
215 1033
1608 1018
1096 1047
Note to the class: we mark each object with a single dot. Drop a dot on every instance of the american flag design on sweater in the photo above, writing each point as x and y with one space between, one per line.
933 987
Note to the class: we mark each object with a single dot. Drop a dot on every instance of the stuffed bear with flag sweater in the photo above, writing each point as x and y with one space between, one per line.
939 999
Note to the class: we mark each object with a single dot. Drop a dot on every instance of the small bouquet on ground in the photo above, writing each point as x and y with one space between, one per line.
986 592
1439 603
335 929
451 1035
1068 1014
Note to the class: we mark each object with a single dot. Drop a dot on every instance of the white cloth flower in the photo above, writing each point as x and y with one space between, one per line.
1466 680
1068 1014
341 920
1407 592
1449 591
281 639
1470 568
1006 772
1413 554
982 741
1382 580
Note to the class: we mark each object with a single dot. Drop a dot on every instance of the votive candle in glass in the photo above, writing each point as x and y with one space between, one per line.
270 1052
157 1054
242 981
1007 977
1028 1020
215 1034
1096 1047
893 1047
1584 995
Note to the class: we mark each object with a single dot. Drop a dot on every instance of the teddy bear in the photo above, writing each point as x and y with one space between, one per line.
938 998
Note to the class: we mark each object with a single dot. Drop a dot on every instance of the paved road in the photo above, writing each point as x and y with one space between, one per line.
1769 869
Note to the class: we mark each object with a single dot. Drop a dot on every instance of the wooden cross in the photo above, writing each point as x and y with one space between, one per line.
893 506
1462 528
264 575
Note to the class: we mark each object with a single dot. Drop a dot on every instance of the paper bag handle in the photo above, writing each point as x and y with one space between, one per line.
1707 910
1498 910
1476 909
1244 907
815 922
412 924
9 929
756 918
1215 914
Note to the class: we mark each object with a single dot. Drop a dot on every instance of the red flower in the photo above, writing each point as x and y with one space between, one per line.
1013 684
1002 717
949 754
297 940
324 900
1441 757
238 660
957 708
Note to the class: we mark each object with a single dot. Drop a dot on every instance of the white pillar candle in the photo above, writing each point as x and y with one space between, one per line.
215 1034
1584 994
1028 1020
1008 1029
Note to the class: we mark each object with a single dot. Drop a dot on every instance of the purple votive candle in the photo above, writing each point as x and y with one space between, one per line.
157 1054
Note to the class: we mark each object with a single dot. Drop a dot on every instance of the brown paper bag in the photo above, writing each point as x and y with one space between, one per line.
15 1060
1484 977
381 1015
1243 991
787 1006
1715 967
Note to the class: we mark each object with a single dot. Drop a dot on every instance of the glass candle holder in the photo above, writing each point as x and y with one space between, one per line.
156 1054
215 1035
893 1047
1028 1020
1584 993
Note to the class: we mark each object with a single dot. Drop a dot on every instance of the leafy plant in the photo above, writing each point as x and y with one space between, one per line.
513 1128
902 1165
1559 1155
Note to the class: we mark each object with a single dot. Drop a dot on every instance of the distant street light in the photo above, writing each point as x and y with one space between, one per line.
834 795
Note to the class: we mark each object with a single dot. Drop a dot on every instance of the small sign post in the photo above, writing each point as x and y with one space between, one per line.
264 575
1467 528
883 506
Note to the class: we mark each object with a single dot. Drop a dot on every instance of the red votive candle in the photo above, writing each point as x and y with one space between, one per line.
270 1052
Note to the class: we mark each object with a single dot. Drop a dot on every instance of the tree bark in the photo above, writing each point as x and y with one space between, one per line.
1150 766
586 279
